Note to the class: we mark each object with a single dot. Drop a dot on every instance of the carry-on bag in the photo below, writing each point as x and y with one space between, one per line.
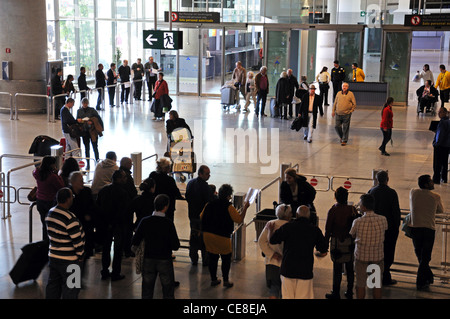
29 266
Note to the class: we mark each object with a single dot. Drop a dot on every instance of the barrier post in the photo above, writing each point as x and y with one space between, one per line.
58 152
239 235
137 167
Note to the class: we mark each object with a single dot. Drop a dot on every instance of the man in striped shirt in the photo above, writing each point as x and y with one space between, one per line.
66 249
368 232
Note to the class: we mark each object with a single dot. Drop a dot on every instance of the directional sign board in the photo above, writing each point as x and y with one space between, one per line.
163 40
193 17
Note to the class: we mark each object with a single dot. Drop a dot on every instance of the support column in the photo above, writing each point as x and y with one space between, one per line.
23 41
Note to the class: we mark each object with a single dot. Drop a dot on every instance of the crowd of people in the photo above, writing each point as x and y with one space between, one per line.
80 221
112 214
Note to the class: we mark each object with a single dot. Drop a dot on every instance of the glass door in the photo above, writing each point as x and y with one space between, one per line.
396 64
188 66
211 57
349 50
277 56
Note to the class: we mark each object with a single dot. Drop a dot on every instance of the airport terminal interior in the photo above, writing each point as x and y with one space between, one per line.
253 160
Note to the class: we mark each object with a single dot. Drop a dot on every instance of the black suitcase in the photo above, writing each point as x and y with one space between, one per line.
274 109
33 259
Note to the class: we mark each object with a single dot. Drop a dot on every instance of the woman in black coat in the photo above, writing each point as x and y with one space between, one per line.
165 184
282 94
143 205
296 191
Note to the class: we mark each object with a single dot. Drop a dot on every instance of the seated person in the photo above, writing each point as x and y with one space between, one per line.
427 94
175 122
296 191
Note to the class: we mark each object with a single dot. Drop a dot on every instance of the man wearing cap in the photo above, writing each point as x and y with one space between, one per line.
309 107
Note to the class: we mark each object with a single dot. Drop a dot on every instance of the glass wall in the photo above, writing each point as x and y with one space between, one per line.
88 32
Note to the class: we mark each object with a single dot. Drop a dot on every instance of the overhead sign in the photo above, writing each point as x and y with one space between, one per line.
193 17
427 20
163 40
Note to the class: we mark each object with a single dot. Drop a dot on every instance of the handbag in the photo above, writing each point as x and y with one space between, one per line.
406 226
32 194
75 130
341 251
152 106
296 124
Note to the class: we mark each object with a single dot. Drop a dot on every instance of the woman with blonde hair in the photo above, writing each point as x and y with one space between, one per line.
250 91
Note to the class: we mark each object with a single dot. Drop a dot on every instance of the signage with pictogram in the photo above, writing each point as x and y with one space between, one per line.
314 182
81 164
163 40
1 193
193 17
347 184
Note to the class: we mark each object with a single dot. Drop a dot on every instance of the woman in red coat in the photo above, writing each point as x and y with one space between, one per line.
161 88
386 124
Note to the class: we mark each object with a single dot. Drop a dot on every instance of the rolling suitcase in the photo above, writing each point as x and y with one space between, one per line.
33 259
274 109
228 96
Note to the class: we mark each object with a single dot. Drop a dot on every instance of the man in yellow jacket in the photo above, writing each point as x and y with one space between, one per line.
358 73
443 83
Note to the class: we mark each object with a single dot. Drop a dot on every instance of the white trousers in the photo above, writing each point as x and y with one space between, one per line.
308 130
296 288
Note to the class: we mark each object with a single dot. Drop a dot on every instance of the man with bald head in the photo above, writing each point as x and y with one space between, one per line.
299 237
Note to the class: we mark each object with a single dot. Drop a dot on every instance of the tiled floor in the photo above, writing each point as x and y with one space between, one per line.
129 128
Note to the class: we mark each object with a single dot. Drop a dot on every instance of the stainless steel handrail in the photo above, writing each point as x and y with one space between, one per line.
8 183
102 95
11 105
25 157
51 117
30 222
16 109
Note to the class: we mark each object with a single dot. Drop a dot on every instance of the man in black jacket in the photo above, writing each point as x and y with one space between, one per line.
160 239
387 205
113 201
293 86
111 79
151 76
124 74
138 73
100 82
82 83
57 89
309 107
67 120
198 194
300 238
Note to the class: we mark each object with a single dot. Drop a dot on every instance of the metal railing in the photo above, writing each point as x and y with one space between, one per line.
51 115
11 105
16 108
9 187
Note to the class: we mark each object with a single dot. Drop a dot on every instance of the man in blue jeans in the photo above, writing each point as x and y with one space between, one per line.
343 107
160 239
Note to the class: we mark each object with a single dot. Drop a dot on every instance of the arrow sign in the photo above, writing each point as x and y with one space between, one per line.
162 40
150 39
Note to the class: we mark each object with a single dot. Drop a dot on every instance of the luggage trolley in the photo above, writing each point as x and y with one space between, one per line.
180 149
